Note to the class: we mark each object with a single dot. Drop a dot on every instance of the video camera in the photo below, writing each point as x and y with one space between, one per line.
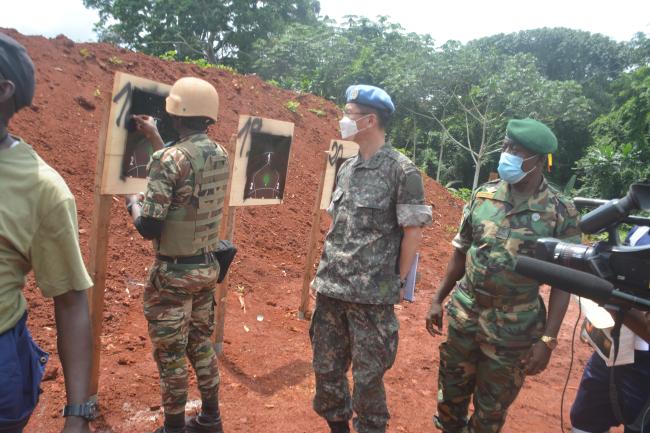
606 272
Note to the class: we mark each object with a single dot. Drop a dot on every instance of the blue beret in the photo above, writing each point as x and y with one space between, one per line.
371 96
17 67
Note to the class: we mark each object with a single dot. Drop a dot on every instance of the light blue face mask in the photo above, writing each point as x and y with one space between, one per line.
510 167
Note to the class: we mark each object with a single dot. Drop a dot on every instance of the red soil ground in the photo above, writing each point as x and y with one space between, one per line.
267 381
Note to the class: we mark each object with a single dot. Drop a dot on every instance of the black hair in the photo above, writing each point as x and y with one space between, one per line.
195 123
383 116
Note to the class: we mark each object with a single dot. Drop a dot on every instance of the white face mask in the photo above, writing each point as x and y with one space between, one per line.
349 127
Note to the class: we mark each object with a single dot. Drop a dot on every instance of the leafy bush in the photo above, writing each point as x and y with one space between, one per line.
292 106
462 193
172 55
169 56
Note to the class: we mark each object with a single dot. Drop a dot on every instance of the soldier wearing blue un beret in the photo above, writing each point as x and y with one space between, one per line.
378 212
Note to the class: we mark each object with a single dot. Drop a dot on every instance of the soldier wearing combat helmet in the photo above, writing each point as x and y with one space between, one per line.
498 330
377 212
181 212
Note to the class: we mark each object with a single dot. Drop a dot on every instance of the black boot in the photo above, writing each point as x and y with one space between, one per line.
204 424
163 429
173 424
339 426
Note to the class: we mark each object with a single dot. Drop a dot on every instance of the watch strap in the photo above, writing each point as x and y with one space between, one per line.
85 410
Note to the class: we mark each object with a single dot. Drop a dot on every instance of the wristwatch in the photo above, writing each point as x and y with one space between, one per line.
402 283
551 342
87 410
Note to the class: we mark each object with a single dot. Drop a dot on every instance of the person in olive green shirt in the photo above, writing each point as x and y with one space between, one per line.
38 231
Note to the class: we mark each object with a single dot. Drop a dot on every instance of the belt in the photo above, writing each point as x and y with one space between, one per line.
509 304
200 259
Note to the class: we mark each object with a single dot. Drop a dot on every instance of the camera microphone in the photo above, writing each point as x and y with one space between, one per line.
607 214
567 279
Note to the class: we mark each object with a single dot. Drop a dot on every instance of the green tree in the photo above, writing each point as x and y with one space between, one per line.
506 87
640 49
590 59
217 30
326 58
620 154
453 101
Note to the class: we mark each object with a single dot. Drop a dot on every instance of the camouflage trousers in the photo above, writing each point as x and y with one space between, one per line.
179 308
493 375
361 335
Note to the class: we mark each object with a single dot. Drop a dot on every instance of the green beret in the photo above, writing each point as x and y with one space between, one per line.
533 135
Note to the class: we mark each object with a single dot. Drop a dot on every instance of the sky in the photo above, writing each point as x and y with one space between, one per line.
461 20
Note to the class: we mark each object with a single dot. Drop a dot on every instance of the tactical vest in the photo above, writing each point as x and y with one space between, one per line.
193 228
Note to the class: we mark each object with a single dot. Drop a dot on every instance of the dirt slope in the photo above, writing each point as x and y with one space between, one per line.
267 382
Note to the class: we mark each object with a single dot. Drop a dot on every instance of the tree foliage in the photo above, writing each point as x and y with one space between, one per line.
453 100
219 31
461 95
620 154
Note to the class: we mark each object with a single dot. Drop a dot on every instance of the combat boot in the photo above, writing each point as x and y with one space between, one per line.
204 424
174 423
339 426
166 430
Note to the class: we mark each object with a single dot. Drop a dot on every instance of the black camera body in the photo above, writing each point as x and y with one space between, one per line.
606 272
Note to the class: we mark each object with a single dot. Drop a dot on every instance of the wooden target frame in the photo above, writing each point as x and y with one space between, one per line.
339 152
124 86
253 134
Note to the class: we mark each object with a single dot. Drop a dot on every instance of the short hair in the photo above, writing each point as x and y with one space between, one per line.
383 116
195 123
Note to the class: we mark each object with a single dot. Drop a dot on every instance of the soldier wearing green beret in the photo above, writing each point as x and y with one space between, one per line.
498 330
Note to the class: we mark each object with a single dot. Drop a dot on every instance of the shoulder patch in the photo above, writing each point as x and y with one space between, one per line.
485 194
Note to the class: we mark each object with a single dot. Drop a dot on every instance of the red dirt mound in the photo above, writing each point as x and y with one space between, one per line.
267 382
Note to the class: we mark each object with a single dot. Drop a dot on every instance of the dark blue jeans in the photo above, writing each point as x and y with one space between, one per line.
592 409
22 364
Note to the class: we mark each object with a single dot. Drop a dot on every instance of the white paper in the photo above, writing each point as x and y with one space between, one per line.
409 287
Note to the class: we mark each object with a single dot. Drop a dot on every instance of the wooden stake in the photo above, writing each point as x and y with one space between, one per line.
222 289
227 231
98 247
311 246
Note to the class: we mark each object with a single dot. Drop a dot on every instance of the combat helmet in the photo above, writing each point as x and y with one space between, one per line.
193 97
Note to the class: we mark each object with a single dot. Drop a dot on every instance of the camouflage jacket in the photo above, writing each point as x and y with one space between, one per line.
372 201
493 231
171 179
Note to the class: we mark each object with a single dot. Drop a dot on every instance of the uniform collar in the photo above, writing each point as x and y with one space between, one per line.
375 160
538 201
186 138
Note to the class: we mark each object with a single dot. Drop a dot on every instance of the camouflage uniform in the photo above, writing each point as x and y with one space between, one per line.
358 282
179 299
495 315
